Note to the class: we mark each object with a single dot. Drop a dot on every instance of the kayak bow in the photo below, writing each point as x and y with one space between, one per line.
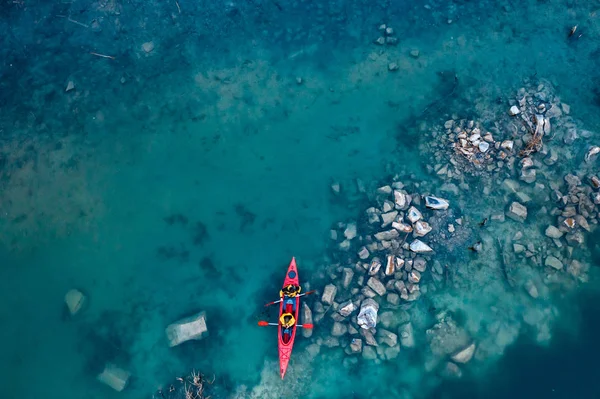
286 345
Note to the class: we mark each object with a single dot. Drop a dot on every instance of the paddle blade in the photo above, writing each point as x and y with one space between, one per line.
263 323
307 326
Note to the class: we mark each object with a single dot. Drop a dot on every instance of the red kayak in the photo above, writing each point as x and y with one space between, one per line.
287 336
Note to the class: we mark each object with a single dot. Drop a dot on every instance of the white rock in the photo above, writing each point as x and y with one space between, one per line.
367 317
422 228
414 276
335 187
484 146
347 308
350 231
374 266
400 199
464 355
507 145
329 294
517 212
399 263
392 66
389 31
75 301
384 190
514 110
404 228
148 47
114 377
436 203
419 246
193 327
70 86
414 214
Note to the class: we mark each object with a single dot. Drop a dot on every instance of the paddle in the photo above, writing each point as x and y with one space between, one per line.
266 323
306 293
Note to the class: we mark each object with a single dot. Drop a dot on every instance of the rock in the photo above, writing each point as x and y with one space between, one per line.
388 218
419 264
401 200
335 187
114 377
347 275
391 40
313 350
386 190
580 220
390 266
551 158
414 53
387 235
389 31
70 86
432 202
414 277
484 146
299 80
413 214
350 231
374 266
363 253
518 248
193 327
75 301
553 262
422 228
553 232
517 212
387 337
575 238
531 289
401 227
451 370
392 66
367 317
344 245
406 334
528 175
391 352
306 318
388 206
148 47
338 329
507 145
565 108
376 286
347 308
464 355
356 345
393 299
369 353
380 40
514 110
419 246
399 263
373 215
329 294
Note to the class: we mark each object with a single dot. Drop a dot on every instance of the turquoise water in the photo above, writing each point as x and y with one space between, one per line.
185 178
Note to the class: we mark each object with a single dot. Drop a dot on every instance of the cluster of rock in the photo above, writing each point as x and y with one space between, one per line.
384 268
387 36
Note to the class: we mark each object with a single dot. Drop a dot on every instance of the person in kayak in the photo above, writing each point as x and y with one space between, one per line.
290 291
287 320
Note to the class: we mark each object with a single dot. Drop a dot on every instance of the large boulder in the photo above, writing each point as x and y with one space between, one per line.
367 317
306 318
193 327
114 377
517 212
329 294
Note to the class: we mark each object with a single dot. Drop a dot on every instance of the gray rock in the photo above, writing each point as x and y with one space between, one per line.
553 262
387 337
401 200
551 158
338 329
369 353
367 317
356 345
391 353
393 299
422 228
115 377
347 275
419 264
369 338
306 318
528 175
518 248
388 218
374 266
553 232
517 212
406 334
347 308
329 294
451 370
363 253
388 206
387 235
189 328
75 301
373 215
514 110
432 202
376 286
386 190
414 276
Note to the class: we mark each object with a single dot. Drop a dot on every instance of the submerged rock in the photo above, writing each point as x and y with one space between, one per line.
387 235
115 377
306 318
75 301
388 218
413 214
329 294
553 262
517 212
422 228
350 231
338 329
436 203
376 286
367 317
347 308
387 337
553 232
356 345
464 355
406 334
189 328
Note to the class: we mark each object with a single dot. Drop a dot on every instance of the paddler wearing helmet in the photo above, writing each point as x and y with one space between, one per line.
290 291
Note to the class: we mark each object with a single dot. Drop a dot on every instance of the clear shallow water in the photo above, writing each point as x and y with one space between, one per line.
212 125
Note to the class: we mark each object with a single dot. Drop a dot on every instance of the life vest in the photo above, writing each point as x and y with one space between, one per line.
291 291
287 320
